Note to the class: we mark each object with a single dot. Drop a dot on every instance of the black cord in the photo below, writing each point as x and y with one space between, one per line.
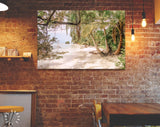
143 13
143 5
132 13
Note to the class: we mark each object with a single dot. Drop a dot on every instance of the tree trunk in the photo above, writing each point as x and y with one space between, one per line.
119 45
78 29
106 43
120 29
95 44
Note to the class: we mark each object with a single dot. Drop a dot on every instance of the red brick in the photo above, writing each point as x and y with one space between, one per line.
60 92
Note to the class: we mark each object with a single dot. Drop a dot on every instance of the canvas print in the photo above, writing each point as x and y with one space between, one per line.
81 39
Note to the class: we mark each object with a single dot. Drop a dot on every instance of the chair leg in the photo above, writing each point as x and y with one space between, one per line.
99 123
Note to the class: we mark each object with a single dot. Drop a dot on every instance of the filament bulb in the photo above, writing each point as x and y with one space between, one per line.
133 37
144 23
132 34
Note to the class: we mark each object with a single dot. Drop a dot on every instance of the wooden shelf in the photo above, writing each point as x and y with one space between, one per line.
25 58
18 91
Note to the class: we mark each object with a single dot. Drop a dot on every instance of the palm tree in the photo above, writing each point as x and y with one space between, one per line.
101 23
118 29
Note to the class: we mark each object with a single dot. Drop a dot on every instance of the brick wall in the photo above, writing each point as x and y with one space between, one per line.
60 92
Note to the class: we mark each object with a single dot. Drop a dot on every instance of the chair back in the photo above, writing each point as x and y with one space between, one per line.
98 112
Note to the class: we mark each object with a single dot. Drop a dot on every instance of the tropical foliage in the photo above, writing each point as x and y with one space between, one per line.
102 29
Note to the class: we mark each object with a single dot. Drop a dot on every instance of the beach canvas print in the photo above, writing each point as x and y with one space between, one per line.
81 39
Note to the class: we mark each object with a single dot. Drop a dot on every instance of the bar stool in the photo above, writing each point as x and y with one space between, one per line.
8 114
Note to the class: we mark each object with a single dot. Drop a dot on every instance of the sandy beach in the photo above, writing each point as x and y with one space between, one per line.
78 57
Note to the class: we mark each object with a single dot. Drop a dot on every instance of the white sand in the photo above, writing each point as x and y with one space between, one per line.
78 57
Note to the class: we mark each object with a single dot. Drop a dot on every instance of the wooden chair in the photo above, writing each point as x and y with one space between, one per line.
98 114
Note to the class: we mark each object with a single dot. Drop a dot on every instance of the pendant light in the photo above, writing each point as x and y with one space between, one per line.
132 30
144 23
3 5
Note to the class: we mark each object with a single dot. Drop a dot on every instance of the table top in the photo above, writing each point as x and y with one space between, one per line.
11 109
131 108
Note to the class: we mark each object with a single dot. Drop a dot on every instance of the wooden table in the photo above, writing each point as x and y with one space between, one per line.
131 114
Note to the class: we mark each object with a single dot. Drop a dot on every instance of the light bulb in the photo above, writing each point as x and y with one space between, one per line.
132 37
3 7
132 34
144 23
